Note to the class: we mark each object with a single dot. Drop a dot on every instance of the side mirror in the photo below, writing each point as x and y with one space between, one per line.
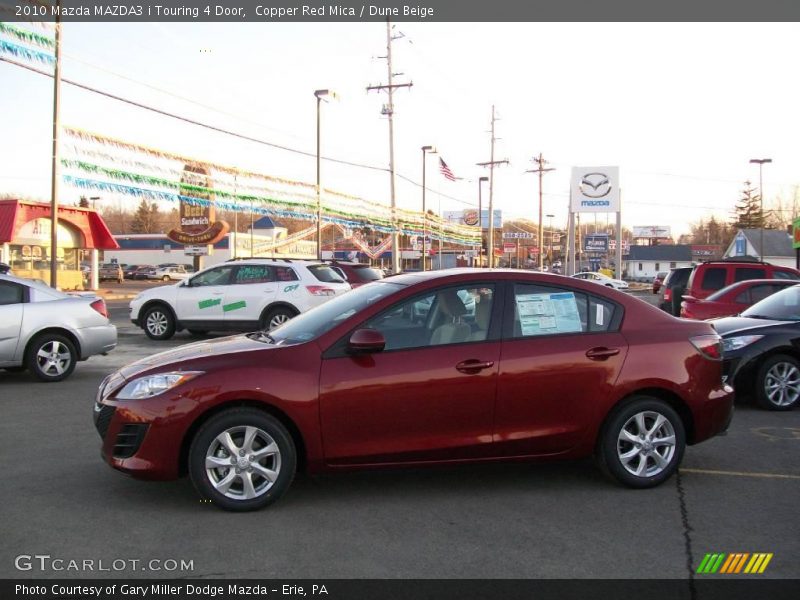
366 341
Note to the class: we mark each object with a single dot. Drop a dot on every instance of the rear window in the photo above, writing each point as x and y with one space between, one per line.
368 273
325 274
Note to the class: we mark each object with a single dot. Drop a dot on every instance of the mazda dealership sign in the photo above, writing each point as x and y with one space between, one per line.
595 189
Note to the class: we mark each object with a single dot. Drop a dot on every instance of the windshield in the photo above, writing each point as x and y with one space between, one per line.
781 306
325 274
369 274
312 324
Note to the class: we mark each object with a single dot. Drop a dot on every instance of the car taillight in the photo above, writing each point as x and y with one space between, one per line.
667 294
320 290
100 306
710 346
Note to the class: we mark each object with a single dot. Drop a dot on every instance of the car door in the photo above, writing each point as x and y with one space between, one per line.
561 355
12 297
252 288
428 396
200 299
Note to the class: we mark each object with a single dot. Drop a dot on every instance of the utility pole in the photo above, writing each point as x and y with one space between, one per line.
55 172
388 110
492 162
541 170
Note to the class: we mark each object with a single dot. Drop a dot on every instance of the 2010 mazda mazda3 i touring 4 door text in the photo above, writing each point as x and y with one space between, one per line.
539 366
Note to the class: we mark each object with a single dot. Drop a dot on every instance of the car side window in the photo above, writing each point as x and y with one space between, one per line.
745 273
446 316
10 293
217 276
743 298
759 292
713 279
285 274
247 274
785 275
543 310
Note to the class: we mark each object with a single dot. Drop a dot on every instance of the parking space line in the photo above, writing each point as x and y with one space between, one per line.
741 474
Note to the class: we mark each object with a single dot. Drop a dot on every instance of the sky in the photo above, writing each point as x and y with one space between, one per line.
679 108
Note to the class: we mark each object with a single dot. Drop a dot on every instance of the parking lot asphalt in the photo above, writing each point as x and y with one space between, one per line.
737 493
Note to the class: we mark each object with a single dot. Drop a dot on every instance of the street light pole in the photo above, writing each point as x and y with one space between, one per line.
551 239
760 162
319 94
480 219
425 150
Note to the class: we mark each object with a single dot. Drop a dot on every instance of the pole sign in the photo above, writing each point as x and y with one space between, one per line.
595 189
197 216
517 235
595 243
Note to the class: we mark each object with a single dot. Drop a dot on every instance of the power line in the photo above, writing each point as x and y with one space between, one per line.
216 128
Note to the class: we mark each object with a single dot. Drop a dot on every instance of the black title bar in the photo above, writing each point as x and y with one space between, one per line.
410 10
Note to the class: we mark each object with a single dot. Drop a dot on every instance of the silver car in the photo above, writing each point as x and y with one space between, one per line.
47 331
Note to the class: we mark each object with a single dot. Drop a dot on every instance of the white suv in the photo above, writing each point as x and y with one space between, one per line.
241 295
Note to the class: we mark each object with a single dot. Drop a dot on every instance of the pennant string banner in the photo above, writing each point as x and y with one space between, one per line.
95 162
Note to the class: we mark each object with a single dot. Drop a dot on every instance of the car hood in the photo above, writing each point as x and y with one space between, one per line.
729 325
196 350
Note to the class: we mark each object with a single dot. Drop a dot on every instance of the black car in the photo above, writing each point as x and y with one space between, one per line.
672 290
761 350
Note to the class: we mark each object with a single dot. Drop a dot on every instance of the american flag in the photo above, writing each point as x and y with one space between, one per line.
445 170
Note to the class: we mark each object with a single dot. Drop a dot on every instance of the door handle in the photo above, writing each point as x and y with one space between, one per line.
472 366
601 353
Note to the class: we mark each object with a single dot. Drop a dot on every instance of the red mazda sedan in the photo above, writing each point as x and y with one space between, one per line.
529 366
733 299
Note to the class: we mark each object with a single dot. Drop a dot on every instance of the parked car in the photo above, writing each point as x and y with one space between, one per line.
241 295
762 359
143 272
601 279
5 269
47 331
672 290
129 270
733 299
111 271
356 274
658 280
550 367
708 277
173 273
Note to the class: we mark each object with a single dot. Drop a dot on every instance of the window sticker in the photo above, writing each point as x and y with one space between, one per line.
599 314
541 314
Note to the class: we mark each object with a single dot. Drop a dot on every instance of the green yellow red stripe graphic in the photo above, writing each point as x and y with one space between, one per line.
734 563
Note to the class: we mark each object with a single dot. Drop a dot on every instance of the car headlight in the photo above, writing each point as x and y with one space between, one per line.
736 343
153 385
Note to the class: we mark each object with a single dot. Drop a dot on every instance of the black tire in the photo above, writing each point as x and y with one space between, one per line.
277 316
237 422
782 373
613 445
158 323
51 357
165 278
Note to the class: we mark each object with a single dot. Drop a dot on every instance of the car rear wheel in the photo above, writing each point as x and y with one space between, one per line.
242 459
277 317
159 323
165 278
51 357
642 444
778 383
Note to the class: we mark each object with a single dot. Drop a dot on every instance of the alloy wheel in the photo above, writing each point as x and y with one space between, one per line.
157 322
782 384
53 358
243 462
646 444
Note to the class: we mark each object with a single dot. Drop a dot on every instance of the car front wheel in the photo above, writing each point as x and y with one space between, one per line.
642 444
242 459
159 323
51 357
778 383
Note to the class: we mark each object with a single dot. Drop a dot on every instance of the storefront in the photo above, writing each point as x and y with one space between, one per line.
25 229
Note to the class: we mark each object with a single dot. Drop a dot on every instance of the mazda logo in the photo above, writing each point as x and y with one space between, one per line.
595 185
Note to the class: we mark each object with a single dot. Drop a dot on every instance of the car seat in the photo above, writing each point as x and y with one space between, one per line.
454 330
